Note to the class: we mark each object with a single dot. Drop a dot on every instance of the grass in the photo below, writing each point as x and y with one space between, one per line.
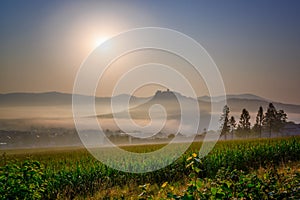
68 173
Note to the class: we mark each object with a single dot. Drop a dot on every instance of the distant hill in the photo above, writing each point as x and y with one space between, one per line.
54 99
252 105
231 96
35 99
167 99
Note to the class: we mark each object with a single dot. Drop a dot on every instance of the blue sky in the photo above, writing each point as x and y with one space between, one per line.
255 44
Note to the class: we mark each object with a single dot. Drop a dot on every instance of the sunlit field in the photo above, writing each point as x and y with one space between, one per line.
256 169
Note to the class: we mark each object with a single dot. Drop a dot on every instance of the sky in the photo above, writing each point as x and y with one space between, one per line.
255 44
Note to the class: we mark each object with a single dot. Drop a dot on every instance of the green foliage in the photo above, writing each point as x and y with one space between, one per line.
25 181
236 184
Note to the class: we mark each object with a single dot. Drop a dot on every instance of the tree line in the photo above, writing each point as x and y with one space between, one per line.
271 121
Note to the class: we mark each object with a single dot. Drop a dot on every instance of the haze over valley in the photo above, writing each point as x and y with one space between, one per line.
50 113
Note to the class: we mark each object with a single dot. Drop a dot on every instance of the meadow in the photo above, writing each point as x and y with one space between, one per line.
241 169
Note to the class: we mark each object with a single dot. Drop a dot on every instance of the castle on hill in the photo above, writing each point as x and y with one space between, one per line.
160 92
166 94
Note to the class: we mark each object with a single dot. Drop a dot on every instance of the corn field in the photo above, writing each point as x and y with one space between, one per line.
69 173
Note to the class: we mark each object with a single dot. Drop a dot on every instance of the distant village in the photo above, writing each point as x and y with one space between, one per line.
53 137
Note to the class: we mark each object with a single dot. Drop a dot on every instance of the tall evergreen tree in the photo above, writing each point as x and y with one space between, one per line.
270 118
225 127
232 124
244 125
259 121
281 118
274 120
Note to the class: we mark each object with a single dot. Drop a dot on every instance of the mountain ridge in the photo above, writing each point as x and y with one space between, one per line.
54 97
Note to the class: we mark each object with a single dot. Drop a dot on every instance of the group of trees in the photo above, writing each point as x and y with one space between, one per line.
272 121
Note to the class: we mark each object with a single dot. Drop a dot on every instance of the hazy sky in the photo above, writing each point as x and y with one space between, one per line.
255 44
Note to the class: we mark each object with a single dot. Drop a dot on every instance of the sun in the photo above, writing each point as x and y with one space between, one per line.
99 40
